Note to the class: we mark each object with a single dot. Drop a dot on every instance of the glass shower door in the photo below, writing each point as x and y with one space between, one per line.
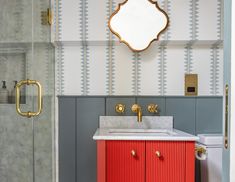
16 141
26 56
42 69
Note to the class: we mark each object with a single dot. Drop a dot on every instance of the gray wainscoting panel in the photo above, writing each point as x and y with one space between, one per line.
183 111
67 139
88 112
112 101
145 101
209 115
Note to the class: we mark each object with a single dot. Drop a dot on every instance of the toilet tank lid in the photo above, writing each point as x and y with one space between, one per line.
211 139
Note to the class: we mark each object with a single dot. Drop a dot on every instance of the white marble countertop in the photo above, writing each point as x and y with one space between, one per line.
148 122
143 134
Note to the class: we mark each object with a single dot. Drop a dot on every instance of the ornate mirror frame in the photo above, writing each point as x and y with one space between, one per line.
162 27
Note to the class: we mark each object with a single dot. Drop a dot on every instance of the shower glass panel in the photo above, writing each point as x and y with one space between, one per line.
26 52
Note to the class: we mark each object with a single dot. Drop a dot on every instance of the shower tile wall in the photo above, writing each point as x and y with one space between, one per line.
16 159
87 65
16 24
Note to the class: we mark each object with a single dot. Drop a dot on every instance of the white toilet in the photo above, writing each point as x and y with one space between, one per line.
211 162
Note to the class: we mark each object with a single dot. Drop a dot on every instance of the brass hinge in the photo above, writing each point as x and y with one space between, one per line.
46 17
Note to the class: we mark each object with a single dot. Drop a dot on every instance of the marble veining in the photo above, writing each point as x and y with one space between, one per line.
153 122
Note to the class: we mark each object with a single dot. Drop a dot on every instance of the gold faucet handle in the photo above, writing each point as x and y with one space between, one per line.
135 108
120 108
153 108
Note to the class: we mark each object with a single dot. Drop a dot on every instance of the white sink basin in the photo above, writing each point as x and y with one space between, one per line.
160 132
143 134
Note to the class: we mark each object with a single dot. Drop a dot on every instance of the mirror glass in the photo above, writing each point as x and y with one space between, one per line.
137 23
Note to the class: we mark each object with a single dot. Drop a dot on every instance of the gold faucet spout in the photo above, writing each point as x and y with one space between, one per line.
139 113
137 109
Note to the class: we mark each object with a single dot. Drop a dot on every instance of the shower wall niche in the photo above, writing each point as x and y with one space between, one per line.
12 70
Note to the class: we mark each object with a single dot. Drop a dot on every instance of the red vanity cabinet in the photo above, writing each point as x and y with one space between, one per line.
169 161
145 161
125 161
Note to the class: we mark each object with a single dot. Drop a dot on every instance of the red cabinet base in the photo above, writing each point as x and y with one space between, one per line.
145 161
169 161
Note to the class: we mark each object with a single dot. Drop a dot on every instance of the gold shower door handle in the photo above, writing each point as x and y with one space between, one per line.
28 114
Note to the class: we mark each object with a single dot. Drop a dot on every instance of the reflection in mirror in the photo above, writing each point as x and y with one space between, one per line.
137 23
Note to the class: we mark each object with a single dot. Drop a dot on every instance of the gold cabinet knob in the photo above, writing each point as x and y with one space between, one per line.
133 153
153 108
120 108
158 154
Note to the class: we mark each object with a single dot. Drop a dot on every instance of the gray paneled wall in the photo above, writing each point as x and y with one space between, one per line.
79 116
183 110
209 115
87 116
67 138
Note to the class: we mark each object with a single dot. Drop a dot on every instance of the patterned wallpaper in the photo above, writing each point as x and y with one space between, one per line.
90 60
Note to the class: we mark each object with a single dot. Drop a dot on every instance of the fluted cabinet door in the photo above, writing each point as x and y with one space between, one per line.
125 161
165 161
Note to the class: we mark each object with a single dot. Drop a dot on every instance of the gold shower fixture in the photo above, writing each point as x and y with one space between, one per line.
46 17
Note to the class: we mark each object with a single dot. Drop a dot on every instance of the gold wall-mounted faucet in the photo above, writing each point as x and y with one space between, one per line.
137 109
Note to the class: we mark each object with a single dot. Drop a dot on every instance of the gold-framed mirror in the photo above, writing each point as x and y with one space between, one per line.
138 23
